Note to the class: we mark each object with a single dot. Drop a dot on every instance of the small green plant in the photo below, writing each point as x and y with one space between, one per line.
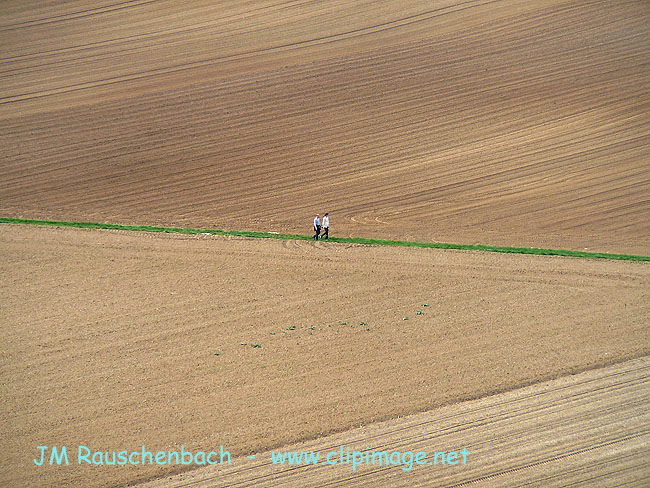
292 327
256 345
419 312
362 323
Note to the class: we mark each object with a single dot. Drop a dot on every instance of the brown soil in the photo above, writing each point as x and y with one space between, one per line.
110 338
507 122
589 429
501 122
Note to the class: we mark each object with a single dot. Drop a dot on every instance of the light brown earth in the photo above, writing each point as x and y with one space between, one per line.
110 338
591 429
498 122
495 122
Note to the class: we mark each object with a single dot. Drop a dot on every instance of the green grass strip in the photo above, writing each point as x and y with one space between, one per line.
351 240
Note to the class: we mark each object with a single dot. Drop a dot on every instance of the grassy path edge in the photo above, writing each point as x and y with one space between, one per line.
352 240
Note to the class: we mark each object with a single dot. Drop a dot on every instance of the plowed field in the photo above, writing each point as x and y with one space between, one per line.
114 340
499 122
518 123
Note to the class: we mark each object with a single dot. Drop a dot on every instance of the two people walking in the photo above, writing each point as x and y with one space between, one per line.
326 227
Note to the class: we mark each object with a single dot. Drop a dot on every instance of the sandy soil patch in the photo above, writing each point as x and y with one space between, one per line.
111 338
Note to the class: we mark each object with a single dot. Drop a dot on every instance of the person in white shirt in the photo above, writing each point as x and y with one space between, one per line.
317 227
326 226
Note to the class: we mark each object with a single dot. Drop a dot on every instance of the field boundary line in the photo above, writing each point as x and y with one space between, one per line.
348 240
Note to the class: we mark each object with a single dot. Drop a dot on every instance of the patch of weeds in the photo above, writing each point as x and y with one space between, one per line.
419 312
363 323
256 345
425 304
343 323
291 327
312 328
217 353
405 318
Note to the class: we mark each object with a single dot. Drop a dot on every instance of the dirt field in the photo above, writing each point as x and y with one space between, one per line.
111 338
591 429
495 122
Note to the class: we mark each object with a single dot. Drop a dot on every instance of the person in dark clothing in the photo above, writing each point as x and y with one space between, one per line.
317 227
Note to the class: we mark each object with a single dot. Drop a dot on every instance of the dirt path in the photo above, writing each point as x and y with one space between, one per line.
591 429
111 338
504 122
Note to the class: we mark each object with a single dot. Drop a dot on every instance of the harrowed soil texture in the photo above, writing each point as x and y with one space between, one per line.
115 339
501 123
